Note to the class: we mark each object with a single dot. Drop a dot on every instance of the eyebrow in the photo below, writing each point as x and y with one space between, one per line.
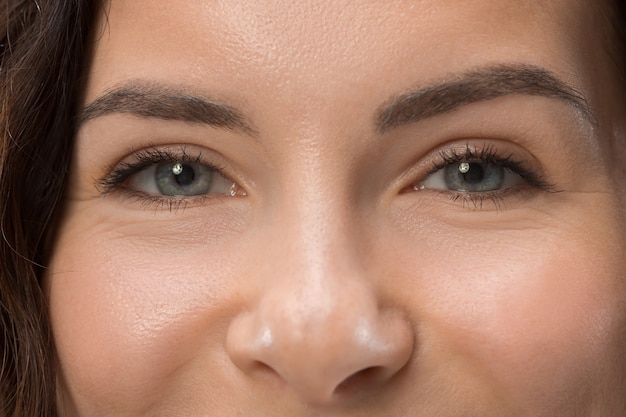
162 102
155 100
482 84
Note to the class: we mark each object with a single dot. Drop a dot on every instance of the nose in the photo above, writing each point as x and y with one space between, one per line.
320 327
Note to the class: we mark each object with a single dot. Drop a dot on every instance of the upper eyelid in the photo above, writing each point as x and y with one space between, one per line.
448 157
493 151
145 157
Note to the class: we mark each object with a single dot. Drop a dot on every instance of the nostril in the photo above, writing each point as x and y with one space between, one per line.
321 358
262 368
363 378
265 371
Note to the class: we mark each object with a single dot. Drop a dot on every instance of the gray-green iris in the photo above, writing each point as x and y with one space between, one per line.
481 177
183 178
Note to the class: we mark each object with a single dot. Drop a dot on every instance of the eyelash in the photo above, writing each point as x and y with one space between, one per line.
143 159
488 154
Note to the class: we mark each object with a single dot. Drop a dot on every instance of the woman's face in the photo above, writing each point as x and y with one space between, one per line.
345 208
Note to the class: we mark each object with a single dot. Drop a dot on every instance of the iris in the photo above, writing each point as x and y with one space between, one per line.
183 179
474 176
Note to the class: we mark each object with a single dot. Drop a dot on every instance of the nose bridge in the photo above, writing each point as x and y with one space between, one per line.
314 219
315 264
323 253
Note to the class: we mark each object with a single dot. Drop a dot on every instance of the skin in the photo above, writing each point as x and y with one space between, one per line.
327 285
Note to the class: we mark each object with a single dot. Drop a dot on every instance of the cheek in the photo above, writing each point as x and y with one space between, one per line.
543 324
537 314
115 299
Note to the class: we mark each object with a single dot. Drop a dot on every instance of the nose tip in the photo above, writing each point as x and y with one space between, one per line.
324 357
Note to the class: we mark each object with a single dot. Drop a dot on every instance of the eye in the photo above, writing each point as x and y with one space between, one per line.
180 178
484 176
167 177
474 176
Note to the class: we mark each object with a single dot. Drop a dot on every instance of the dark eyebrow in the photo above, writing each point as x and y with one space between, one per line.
163 102
478 85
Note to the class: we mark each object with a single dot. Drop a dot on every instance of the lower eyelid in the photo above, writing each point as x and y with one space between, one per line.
476 201
169 204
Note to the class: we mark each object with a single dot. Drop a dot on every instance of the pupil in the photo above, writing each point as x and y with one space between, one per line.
476 174
186 177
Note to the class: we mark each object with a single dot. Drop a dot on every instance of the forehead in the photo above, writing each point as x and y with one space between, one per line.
316 47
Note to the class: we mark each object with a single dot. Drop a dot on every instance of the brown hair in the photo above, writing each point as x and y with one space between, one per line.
620 27
42 57
42 49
